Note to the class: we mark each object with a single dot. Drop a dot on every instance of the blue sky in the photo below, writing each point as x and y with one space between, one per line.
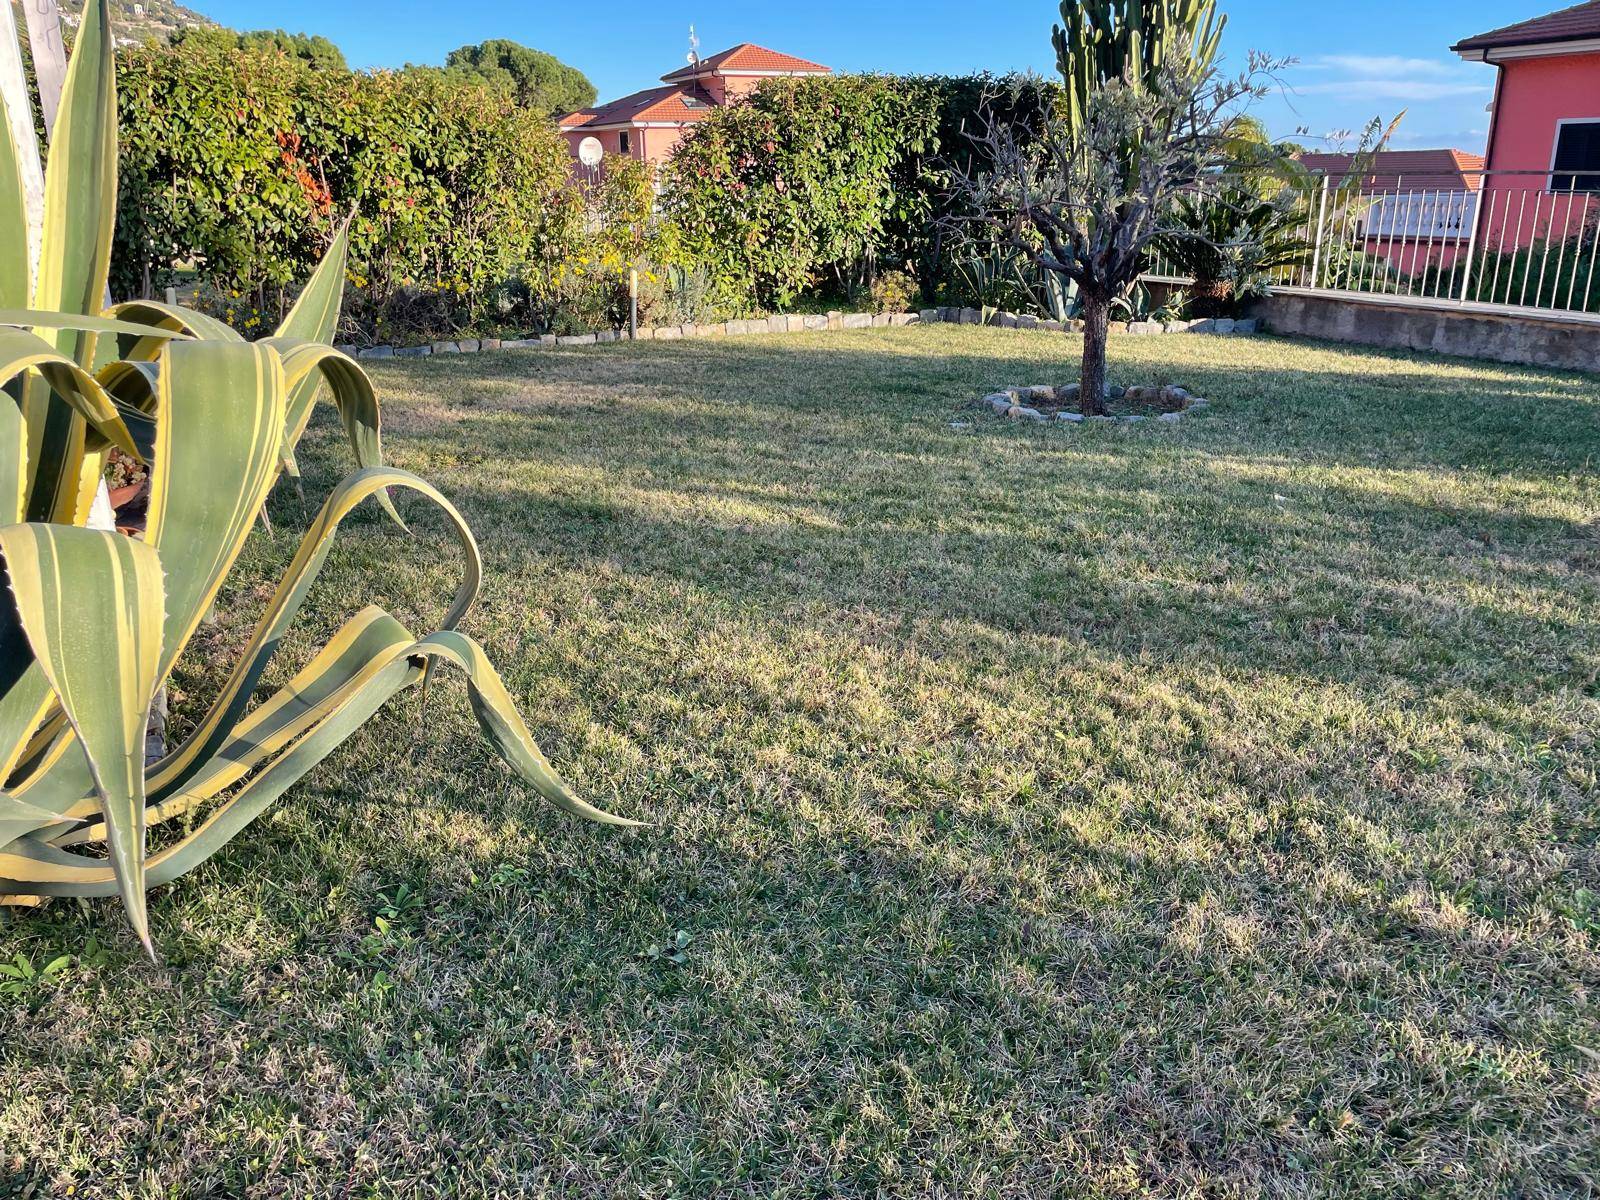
1358 59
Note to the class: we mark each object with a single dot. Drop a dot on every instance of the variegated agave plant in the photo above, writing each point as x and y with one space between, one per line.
92 621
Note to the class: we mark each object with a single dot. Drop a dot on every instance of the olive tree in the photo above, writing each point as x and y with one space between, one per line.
1144 116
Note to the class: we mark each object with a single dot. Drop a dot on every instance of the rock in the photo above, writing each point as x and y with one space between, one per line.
794 323
1199 403
1145 327
1069 416
606 335
469 345
971 316
999 401
1131 418
1224 325
1171 418
1113 392
547 340
1068 393
930 316
575 339
900 320
348 348
816 322
1172 394
1018 413
490 344
527 343
880 320
857 320
1074 326
1253 325
1006 320
669 333
446 348
1027 321
1053 326
1204 326
1045 395
413 352
377 352
835 319
1176 327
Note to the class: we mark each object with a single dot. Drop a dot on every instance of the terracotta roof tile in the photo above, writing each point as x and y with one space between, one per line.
1570 24
746 56
1422 169
655 104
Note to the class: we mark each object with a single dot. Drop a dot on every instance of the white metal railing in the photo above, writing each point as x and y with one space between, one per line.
1523 239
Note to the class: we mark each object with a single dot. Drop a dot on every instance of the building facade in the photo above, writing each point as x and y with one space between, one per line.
1542 180
648 125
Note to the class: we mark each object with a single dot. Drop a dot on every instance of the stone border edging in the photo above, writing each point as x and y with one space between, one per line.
800 323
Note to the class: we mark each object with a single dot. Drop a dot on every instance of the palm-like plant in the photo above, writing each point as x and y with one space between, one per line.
92 622
1229 242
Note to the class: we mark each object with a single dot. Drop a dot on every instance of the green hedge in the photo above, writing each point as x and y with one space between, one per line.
813 185
238 164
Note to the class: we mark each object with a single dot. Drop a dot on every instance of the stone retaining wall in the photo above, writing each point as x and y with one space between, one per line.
1465 331
798 323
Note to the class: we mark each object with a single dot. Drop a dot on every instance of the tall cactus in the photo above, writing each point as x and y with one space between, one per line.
1129 40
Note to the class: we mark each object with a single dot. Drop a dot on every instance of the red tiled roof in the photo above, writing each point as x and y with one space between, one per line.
1570 24
678 104
745 57
1447 170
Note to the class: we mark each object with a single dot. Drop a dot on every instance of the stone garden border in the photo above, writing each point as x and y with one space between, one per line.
801 323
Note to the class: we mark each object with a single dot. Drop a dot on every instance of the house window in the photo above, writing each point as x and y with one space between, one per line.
1576 166
622 142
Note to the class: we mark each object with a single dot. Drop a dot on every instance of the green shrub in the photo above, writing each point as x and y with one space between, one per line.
894 291
792 189
814 185
238 162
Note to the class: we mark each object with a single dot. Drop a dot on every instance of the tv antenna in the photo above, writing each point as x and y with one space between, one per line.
694 48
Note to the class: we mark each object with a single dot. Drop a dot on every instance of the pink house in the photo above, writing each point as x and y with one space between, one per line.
648 125
1543 157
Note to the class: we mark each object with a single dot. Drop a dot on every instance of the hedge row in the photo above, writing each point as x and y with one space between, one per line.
813 186
238 164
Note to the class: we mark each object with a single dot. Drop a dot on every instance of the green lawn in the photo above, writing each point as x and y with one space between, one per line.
1197 810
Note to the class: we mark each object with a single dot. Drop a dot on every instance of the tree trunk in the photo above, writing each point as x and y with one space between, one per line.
1092 380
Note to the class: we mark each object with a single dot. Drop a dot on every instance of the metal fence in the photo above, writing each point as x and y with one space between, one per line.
1524 239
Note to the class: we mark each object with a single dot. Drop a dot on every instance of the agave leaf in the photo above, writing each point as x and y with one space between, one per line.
41 318
24 691
80 196
155 323
15 267
80 185
46 869
352 394
179 766
314 318
503 726
302 702
219 423
91 605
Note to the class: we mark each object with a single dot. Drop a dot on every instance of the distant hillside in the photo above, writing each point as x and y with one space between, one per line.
139 20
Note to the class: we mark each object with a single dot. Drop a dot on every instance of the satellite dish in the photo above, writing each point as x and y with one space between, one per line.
590 152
